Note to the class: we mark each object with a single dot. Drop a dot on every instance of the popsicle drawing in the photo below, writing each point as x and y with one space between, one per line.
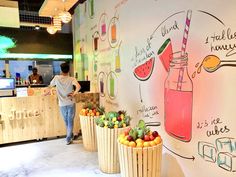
103 26
113 32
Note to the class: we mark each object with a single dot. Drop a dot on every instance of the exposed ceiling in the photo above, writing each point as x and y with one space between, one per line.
37 12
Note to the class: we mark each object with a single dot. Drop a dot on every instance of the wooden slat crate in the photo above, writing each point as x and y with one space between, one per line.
140 162
88 128
107 149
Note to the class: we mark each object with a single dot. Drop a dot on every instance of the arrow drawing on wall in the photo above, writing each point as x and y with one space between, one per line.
184 157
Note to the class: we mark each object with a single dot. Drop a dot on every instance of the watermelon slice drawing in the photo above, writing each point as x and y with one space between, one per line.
144 71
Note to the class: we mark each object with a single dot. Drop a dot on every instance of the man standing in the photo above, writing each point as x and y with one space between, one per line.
64 87
35 78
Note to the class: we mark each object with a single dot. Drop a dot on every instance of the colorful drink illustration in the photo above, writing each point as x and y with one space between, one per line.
112 86
164 53
91 3
178 103
117 66
103 27
101 86
113 33
95 43
118 63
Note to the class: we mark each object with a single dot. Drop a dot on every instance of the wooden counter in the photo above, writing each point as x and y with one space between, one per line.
36 117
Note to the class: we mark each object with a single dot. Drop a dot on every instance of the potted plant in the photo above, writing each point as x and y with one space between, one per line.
109 126
140 152
88 115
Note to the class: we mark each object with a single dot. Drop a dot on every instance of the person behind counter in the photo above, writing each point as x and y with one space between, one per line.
4 73
35 78
64 87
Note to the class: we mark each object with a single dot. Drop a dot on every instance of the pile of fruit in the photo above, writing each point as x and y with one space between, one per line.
114 120
89 110
140 136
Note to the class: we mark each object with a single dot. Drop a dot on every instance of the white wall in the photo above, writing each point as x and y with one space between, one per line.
213 93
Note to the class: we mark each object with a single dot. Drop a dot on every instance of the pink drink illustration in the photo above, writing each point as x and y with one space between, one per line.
178 113
164 53
178 103
103 28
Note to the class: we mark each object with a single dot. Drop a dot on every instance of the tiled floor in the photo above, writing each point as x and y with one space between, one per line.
51 158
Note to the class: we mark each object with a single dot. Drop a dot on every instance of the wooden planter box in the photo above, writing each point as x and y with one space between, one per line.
140 162
108 158
88 128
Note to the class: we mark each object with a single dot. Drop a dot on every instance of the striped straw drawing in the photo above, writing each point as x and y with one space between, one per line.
183 49
186 31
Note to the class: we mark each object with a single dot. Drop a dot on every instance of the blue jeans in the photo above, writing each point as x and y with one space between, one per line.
68 114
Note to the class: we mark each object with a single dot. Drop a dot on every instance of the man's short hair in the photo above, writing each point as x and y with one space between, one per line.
65 67
34 69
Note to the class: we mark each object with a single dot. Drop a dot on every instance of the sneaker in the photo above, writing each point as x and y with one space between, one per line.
69 142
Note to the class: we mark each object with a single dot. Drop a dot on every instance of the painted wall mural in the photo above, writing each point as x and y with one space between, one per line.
174 67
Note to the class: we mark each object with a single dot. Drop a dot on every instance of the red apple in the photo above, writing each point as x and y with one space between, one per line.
119 118
146 138
151 137
130 138
127 131
155 134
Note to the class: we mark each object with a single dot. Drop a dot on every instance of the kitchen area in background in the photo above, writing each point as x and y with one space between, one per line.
23 68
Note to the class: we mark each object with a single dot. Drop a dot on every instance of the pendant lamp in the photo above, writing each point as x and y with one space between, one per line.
64 15
51 29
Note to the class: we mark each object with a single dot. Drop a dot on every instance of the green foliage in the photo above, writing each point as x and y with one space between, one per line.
112 118
133 132
110 124
139 131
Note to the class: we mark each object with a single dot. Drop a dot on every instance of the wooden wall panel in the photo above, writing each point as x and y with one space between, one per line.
35 117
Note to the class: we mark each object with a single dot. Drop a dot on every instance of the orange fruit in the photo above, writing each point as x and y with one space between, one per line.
152 143
139 144
157 140
132 144
126 142
139 141
146 144
97 113
121 140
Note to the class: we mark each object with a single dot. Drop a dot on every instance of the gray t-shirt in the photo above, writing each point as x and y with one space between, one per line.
64 86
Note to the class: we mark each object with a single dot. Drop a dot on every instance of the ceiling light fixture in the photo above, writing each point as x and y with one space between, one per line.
64 15
57 22
37 27
51 29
